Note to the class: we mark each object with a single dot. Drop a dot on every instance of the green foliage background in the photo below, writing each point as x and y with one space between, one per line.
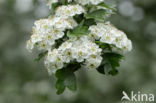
24 81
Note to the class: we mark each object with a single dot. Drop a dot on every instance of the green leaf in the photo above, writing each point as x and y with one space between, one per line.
99 15
109 64
60 86
66 78
40 56
103 45
70 82
89 22
79 30
107 6
114 59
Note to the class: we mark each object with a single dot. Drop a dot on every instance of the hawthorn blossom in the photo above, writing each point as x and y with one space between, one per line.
51 35
69 10
107 33
46 31
79 49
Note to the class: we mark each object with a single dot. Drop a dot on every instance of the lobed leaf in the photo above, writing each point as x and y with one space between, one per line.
109 64
107 6
66 78
98 15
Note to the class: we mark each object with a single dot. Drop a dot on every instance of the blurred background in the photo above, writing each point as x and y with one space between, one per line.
24 81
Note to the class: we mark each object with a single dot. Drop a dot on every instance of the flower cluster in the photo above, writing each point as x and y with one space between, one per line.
46 31
107 33
69 10
76 36
75 49
80 49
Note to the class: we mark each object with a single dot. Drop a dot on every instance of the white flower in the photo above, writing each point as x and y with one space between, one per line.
95 32
67 55
93 62
80 54
52 55
36 38
64 23
108 38
65 45
94 49
57 34
50 39
44 45
46 31
54 61
69 11
53 67
107 33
